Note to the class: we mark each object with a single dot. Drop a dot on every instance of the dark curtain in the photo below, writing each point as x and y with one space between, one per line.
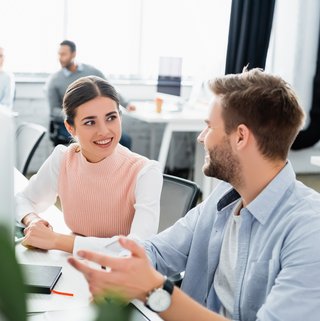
249 34
311 135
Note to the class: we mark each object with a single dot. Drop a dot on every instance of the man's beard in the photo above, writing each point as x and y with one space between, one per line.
67 65
223 164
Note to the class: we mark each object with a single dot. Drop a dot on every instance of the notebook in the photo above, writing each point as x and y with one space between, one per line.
41 278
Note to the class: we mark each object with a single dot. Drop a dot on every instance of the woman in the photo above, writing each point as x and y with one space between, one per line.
105 190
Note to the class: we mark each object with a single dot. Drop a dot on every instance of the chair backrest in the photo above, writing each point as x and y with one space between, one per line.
178 196
28 137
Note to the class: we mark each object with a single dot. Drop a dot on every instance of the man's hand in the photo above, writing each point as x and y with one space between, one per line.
131 277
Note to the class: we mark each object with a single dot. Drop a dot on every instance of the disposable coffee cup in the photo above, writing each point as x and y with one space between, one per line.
159 103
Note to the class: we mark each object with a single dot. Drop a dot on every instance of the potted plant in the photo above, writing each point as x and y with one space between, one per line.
12 289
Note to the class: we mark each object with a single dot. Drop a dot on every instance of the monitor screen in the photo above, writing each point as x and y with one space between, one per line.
7 157
169 76
169 85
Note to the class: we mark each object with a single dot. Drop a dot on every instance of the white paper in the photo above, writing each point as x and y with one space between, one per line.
53 302
80 314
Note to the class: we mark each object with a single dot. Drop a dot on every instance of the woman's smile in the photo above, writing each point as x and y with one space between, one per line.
103 142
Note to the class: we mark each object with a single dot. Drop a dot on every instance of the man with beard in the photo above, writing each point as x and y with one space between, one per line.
57 86
250 251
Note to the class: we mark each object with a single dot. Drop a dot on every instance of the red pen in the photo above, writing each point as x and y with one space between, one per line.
62 293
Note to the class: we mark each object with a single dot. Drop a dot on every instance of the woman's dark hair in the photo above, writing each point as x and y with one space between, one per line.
83 90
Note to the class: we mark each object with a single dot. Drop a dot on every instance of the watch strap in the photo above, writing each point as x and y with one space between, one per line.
168 285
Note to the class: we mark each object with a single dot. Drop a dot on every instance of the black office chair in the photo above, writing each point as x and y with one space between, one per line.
58 133
178 196
28 138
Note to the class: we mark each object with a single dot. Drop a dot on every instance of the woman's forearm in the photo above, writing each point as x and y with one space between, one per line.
64 242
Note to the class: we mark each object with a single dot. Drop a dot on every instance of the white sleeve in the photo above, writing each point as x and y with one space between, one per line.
146 218
42 189
147 207
8 97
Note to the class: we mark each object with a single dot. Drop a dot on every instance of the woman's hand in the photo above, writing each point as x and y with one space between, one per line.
39 235
130 277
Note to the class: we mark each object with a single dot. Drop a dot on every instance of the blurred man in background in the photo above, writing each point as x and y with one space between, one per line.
57 86
7 85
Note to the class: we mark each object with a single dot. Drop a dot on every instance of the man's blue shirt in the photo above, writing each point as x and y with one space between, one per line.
278 265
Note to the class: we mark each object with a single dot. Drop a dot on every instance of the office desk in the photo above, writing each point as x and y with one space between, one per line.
315 160
58 307
188 120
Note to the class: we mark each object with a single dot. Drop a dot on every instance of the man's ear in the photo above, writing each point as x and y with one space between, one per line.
242 136
69 128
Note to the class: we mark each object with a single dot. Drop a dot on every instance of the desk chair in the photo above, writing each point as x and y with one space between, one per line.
28 138
58 133
178 196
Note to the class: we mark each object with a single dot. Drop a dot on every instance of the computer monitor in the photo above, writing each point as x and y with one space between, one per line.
169 79
7 157
169 85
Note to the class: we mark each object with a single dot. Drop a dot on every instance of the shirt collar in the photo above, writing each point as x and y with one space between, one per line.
227 199
268 199
67 72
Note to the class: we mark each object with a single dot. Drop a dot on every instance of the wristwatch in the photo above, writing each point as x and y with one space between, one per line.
159 299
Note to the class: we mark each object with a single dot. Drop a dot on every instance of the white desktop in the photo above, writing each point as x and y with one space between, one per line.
7 157
171 103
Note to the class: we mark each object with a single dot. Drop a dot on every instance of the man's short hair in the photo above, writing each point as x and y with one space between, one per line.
70 44
266 104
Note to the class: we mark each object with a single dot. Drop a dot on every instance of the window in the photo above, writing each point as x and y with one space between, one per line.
106 33
197 31
30 31
121 37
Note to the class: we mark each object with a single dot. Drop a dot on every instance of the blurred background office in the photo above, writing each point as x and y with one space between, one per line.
7 84
125 40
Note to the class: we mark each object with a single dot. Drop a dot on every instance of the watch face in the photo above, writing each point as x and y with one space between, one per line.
159 300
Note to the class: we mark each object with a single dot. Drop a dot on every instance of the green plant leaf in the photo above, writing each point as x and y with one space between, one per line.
12 289
113 308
